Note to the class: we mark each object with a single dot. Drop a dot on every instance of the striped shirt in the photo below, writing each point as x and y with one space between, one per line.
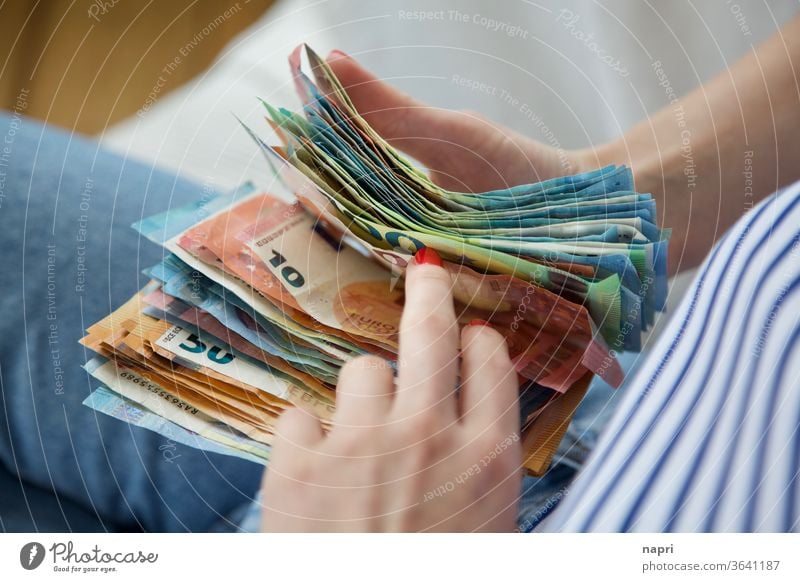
706 437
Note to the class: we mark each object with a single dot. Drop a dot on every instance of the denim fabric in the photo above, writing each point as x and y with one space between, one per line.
25 508
66 207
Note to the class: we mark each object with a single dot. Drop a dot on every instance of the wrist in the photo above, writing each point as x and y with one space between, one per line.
620 151
598 156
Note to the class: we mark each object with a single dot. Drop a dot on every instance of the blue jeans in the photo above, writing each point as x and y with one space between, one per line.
66 207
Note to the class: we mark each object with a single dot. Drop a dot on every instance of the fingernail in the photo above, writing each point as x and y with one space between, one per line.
477 322
337 54
428 256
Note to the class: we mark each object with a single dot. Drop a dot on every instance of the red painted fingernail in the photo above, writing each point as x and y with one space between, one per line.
482 322
337 54
428 256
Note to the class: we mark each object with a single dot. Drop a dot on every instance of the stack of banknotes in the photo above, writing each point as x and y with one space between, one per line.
260 300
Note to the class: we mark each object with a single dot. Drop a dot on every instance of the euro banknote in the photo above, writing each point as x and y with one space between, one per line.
259 300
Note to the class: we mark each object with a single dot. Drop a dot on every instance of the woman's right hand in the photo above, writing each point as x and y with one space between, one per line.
410 453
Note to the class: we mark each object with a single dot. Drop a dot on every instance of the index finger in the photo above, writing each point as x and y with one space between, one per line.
428 355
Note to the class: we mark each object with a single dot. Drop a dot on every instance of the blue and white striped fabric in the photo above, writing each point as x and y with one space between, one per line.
707 437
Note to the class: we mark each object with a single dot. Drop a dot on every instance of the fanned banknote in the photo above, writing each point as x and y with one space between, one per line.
259 302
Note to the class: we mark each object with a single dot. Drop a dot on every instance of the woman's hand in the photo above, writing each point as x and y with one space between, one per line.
411 454
706 158
463 151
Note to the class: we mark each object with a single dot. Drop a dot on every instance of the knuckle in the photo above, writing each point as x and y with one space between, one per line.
492 376
420 457
428 278
421 427
493 350
348 444
431 325
372 473
501 363
499 451
487 441
290 419
296 470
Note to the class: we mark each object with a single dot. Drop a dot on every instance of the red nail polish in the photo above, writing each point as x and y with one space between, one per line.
428 256
477 322
337 54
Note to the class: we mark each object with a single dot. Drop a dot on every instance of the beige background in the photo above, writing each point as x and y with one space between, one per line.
89 63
